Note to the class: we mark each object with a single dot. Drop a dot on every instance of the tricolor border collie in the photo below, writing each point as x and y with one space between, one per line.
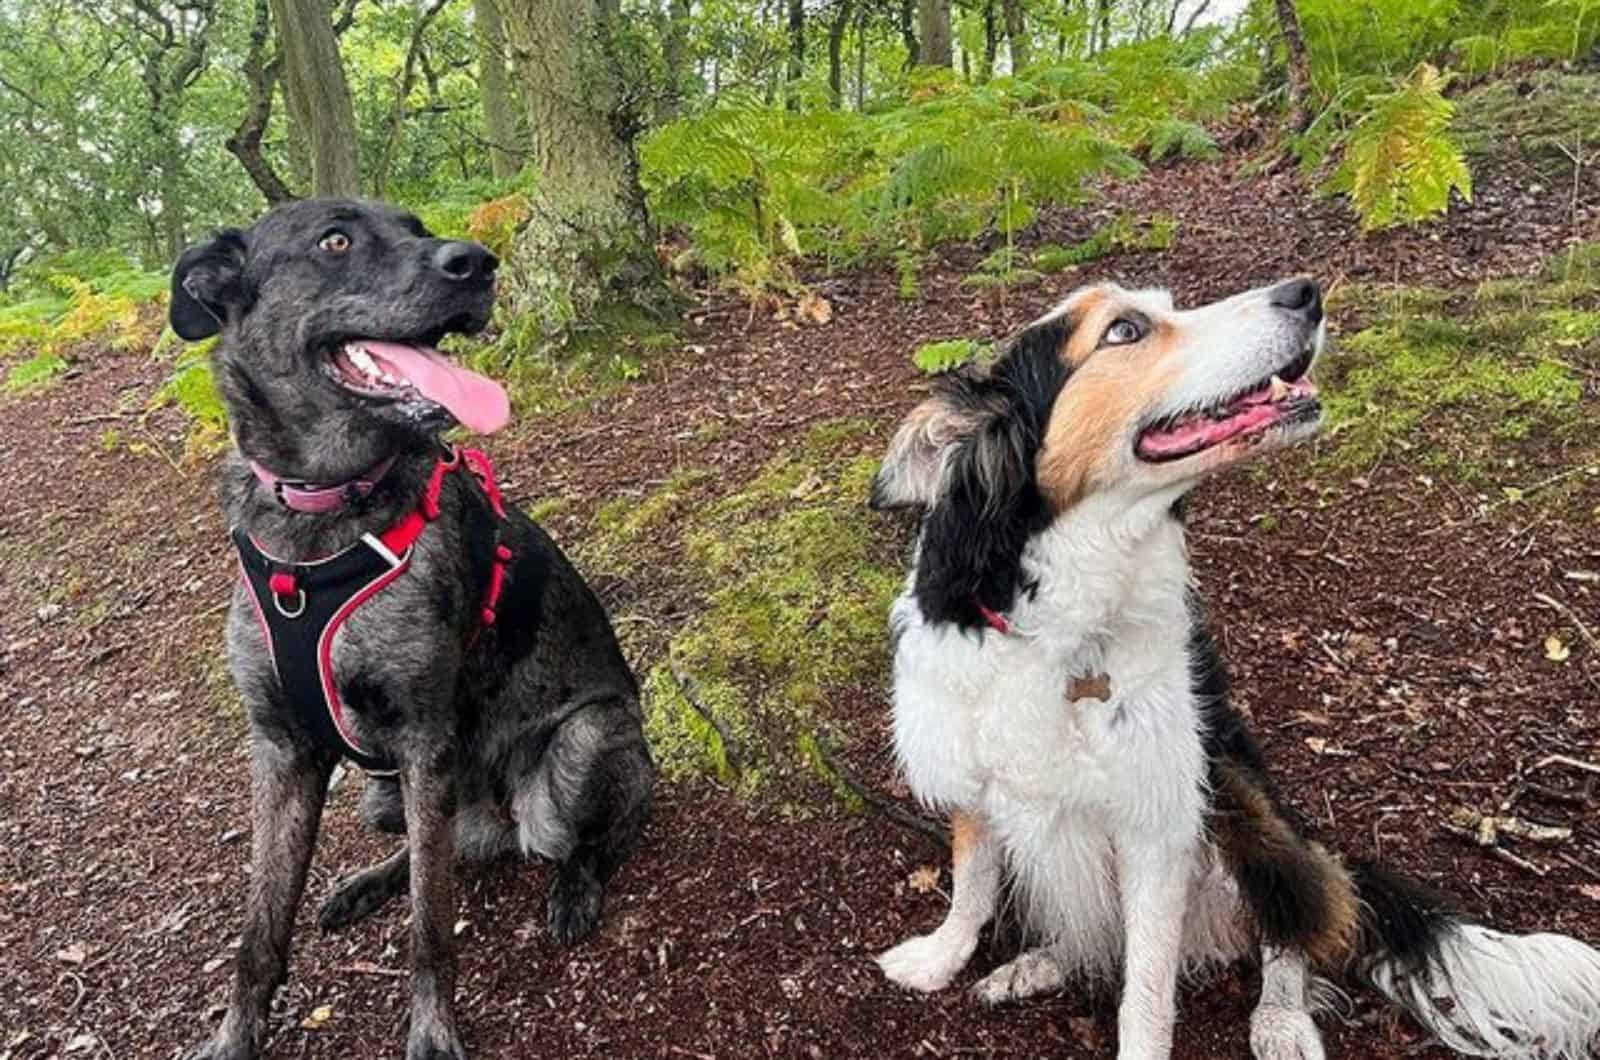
1056 692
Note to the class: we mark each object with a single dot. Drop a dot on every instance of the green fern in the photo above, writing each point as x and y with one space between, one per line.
1180 139
1401 162
936 358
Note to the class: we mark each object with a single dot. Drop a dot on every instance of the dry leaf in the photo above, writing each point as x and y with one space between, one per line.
462 925
815 308
1554 650
76 953
319 1015
1317 744
923 879
1590 890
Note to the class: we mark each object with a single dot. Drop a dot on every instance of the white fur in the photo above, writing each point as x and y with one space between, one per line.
1281 1026
1513 996
1097 806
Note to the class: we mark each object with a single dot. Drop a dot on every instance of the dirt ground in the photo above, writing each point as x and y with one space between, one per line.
1387 637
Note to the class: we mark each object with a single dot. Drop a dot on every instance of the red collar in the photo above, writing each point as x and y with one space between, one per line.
997 622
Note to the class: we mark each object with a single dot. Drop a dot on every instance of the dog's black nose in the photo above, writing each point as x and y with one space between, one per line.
1301 297
464 261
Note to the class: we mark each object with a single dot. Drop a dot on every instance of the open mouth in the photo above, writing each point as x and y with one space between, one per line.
383 370
1285 398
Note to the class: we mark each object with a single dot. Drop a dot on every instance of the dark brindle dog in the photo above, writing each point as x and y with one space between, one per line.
471 659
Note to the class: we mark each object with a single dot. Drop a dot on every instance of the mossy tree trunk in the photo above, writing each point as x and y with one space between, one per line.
586 244
796 69
318 94
1017 35
1298 69
500 125
933 27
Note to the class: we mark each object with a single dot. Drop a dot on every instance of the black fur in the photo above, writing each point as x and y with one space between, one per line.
527 736
1400 918
972 540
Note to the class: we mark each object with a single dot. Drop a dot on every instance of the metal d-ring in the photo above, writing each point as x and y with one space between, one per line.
299 610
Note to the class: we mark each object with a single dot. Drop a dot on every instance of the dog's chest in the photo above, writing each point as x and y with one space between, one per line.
1002 718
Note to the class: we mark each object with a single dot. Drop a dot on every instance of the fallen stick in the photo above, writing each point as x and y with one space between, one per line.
884 805
1550 601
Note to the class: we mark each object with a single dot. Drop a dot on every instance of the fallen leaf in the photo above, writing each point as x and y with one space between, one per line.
923 879
462 925
76 953
319 1015
1590 890
815 308
1554 650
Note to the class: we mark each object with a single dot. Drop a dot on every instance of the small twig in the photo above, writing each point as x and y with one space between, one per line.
882 803
1566 760
364 968
1587 870
730 749
1550 601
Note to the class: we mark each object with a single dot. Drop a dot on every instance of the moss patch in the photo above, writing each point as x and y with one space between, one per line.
1505 362
800 588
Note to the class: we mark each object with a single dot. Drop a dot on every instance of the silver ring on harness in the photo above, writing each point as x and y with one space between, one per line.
300 609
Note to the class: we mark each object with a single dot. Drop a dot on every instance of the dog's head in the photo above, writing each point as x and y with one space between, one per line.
330 311
1114 395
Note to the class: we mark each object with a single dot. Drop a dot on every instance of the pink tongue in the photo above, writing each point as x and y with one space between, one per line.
1202 433
477 402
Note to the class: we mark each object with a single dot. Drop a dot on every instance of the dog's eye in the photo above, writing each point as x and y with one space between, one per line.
1122 332
335 242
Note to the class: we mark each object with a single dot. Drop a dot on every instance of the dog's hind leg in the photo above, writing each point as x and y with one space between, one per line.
583 804
929 962
1281 1027
1031 974
287 789
369 890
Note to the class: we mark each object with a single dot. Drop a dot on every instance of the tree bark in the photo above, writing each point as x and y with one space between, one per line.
506 146
933 26
1016 35
675 52
991 41
908 32
1103 21
586 243
797 54
842 10
861 57
261 74
318 94
1298 70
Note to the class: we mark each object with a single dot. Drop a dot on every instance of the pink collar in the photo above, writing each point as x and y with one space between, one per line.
319 498
998 622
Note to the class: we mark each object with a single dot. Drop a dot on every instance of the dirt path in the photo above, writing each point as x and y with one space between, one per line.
1385 636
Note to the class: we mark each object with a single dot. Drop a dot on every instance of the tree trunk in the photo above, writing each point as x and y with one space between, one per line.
261 74
933 26
506 147
1103 20
861 57
991 41
908 32
842 11
586 243
1298 70
797 53
1016 35
675 52
318 94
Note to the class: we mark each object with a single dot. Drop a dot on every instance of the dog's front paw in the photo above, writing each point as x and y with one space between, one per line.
1282 1032
435 1041
1031 974
928 962
219 1047
574 907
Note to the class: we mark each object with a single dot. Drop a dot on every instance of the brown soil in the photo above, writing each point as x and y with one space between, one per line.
1385 637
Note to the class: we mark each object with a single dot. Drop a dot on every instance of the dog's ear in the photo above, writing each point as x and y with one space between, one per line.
913 471
208 284
973 537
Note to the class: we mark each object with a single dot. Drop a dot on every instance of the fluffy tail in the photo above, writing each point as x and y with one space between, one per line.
1481 991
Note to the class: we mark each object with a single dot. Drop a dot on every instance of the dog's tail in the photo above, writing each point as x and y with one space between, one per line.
1482 992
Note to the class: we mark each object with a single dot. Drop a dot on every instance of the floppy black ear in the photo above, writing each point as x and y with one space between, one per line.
972 540
208 284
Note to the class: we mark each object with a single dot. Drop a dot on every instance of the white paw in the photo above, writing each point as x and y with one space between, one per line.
1279 1032
927 962
1033 973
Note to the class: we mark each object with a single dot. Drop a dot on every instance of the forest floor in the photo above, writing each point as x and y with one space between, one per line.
1400 603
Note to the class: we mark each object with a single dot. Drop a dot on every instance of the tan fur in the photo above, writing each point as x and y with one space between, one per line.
1250 830
966 832
1101 406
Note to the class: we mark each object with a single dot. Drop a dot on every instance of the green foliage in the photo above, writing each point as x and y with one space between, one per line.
1402 163
194 390
935 358
1181 139
1122 232
34 373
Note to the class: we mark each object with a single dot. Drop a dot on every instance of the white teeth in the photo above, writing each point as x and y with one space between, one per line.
364 363
1279 389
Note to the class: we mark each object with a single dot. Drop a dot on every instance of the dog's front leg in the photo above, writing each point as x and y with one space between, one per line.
1155 875
287 788
929 962
429 787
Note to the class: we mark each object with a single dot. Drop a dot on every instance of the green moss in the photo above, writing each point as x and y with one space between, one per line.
548 508
684 741
1490 370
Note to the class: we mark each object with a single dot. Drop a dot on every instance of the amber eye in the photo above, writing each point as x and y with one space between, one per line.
335 242
1122 333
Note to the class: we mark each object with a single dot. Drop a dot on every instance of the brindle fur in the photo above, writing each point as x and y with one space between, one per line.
525 739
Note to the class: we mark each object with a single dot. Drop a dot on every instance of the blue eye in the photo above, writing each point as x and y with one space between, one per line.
1121 333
